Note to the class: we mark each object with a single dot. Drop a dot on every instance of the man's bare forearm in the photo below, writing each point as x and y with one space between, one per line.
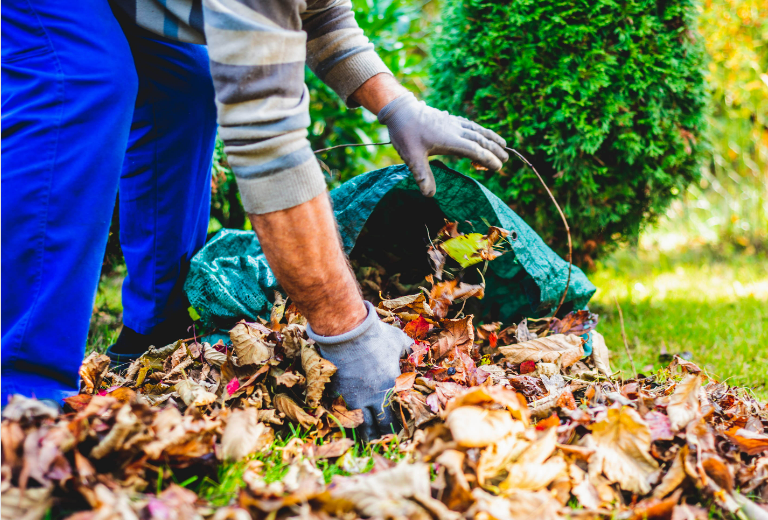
378 91
303 249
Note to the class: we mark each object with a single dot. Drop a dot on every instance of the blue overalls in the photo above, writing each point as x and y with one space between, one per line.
91 107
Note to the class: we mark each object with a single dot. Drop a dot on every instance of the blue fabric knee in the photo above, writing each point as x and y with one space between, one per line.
165 188
67 101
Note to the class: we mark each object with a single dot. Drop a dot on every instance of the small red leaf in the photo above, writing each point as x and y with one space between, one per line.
417 328
233 386
526 367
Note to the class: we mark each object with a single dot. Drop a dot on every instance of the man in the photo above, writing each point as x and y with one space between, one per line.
96 98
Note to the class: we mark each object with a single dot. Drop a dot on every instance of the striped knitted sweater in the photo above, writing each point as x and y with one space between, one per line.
257 50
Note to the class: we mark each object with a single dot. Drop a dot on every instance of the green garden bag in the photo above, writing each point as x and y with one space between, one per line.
382 214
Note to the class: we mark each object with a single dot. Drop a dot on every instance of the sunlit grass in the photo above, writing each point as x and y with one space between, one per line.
709 303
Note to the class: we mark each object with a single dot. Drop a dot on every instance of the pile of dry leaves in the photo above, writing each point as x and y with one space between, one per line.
524 421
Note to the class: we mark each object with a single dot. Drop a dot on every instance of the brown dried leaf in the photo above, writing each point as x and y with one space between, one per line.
748 441
318 371
271 416
404 381
674 476
25 408
27 504
477 427
492 395
521 505
456 336
249 342
92 371
242 434
213 356
125 422
406 307
293 411
535 469
347 418
290 379
565 348
194 394
683 404
443 295
333 449
622 442
399 492
293 339
600 354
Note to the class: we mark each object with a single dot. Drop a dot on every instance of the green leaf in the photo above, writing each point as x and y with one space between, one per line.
193 313
465 249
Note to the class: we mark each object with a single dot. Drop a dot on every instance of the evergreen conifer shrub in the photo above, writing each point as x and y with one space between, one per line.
605 97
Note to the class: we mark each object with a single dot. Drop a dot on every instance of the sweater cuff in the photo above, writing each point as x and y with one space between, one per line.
286 189
350 74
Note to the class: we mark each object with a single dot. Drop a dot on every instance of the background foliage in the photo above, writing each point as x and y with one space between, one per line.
729 202
606 98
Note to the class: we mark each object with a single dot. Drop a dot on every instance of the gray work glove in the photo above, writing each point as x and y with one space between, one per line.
418 131
368 361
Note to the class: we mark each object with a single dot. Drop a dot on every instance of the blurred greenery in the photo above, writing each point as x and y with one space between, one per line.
711 301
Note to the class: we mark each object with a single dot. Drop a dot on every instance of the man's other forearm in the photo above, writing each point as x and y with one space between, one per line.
375 93
303 249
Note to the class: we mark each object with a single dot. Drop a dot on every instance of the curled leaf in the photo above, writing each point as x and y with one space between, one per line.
293 411
92 371
318 371
249 342
683 404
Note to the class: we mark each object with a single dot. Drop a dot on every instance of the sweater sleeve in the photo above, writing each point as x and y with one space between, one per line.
257 51
337 50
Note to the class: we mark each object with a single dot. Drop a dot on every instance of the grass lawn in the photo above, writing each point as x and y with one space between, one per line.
713 304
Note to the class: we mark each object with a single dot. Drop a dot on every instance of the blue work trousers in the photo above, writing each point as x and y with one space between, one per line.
92 106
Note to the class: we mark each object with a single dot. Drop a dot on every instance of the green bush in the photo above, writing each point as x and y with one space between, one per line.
606 98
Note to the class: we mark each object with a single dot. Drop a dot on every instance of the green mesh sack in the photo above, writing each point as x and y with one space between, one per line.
382 214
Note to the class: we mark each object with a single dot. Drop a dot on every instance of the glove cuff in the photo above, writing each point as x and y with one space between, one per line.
334 342
391 114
